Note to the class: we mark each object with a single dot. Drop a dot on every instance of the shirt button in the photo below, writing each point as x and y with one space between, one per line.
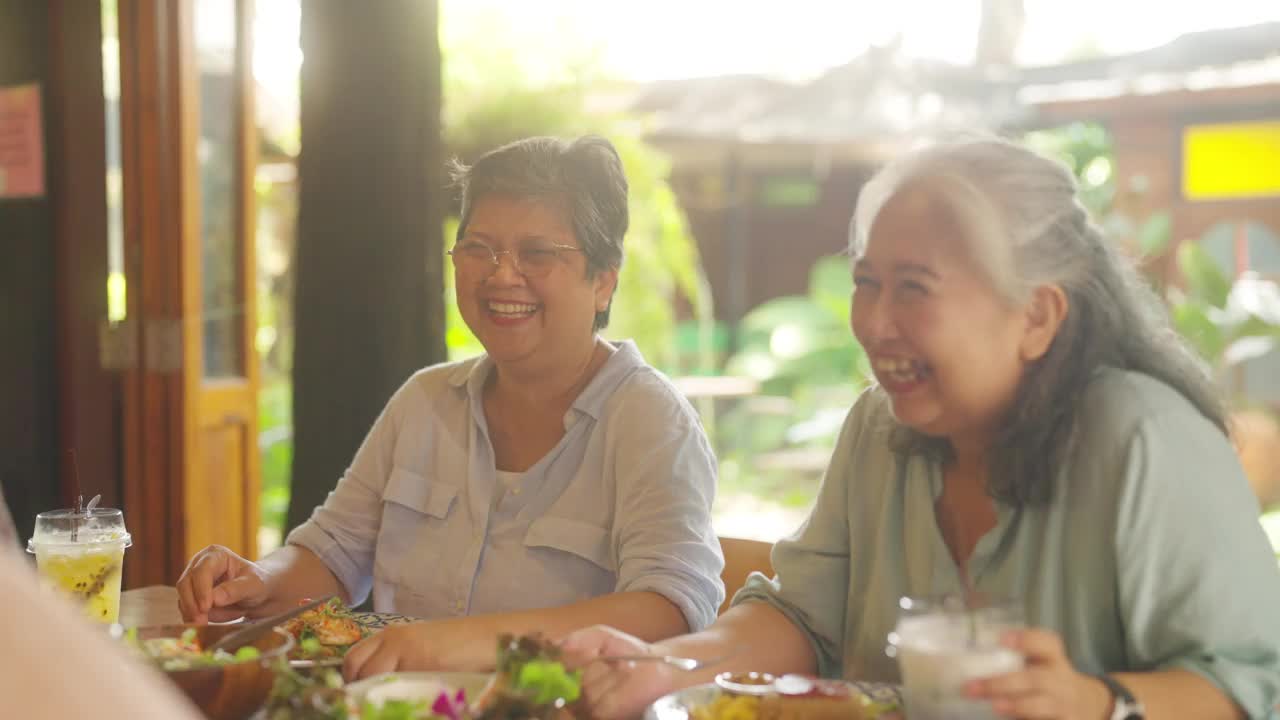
515 491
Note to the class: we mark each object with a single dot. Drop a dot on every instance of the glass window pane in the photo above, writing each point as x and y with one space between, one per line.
116 305
221 276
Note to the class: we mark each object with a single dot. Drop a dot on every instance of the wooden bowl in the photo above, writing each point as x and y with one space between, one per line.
227 692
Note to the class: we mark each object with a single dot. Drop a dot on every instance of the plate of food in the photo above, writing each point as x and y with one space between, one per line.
530 683
758 696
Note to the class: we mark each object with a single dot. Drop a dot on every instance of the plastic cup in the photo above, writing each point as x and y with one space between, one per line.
943 643
82 554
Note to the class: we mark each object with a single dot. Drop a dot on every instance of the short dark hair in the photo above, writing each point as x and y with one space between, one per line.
585 175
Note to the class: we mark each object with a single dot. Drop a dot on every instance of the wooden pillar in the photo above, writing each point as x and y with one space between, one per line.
368 303
28 393
87 393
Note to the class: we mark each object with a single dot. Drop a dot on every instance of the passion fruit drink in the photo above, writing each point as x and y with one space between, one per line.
82 554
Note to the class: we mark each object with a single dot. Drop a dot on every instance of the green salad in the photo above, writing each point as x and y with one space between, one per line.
184 652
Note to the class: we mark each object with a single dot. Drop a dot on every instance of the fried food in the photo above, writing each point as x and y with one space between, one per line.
327 631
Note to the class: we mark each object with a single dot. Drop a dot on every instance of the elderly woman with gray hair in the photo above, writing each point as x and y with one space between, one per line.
555 482
1037 432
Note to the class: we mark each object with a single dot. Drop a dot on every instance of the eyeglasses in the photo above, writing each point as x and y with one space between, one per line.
532 261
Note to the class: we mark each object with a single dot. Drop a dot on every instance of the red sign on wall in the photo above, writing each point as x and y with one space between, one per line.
21 143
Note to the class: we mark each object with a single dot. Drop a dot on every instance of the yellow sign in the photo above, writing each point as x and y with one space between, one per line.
1231 160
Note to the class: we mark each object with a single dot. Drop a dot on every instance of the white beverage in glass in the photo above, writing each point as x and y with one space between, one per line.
942 644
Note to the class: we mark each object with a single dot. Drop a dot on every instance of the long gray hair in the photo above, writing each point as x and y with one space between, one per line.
1025 227
582 176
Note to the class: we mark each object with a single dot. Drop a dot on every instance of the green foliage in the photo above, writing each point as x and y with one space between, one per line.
1086 149
1155 234
458 337
810 368
275 413
503 83
1228 322
662 262
1206 282
803 340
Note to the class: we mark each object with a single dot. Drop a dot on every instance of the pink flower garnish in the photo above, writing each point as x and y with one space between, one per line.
450 707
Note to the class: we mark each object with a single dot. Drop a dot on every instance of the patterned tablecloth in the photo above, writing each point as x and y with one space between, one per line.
377 621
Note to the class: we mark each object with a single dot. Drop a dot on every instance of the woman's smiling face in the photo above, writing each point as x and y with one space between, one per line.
541 321
944 345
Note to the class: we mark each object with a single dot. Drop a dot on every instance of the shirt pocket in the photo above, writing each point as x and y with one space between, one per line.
575 559
413 536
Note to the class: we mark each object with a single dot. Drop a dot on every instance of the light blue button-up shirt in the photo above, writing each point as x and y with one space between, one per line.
1149 557
622 503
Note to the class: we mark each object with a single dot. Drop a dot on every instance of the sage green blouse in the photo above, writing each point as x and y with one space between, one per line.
1150 555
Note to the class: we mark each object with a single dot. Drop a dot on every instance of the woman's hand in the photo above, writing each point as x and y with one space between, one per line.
219 585
454 644
1048 688
616 690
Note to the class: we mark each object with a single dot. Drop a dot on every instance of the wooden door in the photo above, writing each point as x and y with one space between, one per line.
190 400
220 372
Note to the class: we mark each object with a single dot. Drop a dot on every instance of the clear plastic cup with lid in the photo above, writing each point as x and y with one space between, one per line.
82 554
941 643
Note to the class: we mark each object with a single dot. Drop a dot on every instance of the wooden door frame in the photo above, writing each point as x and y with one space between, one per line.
151 152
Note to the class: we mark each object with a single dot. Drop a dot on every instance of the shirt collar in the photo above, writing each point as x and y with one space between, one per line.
626 359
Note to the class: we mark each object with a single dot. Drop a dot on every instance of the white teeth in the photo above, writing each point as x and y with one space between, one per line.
512 308
899 369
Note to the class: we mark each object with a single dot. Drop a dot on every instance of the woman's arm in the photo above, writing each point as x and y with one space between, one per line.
8 535
750 637
68 668
1052 689
1172 694
297 571
663 472
469 643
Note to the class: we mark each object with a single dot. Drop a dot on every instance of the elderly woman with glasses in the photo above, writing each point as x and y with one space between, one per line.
1036 433
555 482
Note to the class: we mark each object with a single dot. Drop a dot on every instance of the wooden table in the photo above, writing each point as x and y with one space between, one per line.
154 605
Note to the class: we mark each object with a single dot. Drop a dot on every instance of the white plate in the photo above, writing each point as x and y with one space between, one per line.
416 686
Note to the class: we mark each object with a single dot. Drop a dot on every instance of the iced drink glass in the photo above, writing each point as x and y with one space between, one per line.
943 643
82 554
